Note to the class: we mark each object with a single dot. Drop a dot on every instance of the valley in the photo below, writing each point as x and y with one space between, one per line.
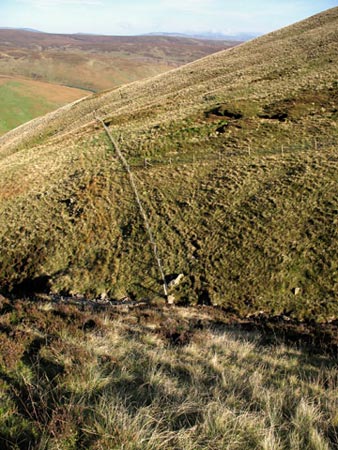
252 130
40 72
168 235
93 62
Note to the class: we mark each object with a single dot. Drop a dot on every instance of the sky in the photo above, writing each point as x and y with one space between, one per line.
129 17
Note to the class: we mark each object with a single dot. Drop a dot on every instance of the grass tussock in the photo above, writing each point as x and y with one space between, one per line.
118 380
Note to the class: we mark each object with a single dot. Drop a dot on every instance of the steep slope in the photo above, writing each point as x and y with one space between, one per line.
241 193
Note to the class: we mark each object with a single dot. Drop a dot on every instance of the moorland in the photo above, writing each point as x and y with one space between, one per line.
234 159
94 62
41 72
240 190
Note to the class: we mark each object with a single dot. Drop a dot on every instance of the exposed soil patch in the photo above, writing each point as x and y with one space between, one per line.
281 116
31 286
307 103
223 110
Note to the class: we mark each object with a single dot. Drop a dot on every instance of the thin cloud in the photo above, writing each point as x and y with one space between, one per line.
143 16
44 3
196 6
198 3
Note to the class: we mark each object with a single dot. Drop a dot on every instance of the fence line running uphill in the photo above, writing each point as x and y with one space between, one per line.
138 201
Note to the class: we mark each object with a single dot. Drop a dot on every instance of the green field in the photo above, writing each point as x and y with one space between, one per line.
18 108
23 100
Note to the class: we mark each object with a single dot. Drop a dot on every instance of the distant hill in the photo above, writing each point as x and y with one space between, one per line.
202 35
81 63
235 159
241 37
96 62
21 29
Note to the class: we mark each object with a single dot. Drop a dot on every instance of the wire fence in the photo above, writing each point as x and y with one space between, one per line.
140 206
191 158
223 154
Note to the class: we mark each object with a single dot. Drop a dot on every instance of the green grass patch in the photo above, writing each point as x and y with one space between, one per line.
18 107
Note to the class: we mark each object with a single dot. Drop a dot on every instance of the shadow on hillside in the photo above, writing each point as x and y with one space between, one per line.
31 286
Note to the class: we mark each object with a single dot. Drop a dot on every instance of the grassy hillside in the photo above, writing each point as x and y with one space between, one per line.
23 100
241 193
96 62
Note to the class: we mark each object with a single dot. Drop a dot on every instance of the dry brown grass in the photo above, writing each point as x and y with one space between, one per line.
119 380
